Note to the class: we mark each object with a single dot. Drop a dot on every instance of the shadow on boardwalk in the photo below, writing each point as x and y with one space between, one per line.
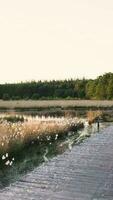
85 173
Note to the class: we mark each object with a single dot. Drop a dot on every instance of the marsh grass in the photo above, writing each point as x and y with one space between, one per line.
40 104
14 136
92 116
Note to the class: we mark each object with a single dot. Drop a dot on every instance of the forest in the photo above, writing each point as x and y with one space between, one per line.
100 88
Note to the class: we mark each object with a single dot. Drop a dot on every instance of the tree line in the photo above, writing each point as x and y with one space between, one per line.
99 88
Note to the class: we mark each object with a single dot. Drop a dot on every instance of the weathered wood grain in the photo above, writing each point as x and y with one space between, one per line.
85 173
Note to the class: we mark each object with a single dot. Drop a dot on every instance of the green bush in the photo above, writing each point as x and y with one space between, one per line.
35 96
5 96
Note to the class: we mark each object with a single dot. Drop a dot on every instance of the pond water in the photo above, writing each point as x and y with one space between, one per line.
34 154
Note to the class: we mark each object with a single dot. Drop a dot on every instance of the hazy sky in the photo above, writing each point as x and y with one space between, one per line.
55 39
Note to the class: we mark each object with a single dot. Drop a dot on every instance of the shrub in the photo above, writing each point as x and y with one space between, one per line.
16 98
35 96
5 96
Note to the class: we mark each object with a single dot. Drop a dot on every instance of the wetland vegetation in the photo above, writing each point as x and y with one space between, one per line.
27 139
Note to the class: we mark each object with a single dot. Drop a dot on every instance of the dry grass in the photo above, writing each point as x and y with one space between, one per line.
93 115
12 134
54 103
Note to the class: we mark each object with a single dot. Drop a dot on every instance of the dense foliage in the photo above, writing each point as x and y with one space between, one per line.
100 88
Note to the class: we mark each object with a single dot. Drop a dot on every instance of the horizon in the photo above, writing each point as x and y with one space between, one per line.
55 40
50 80
53 79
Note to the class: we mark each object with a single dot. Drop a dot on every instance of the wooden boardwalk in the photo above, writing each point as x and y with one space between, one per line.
85 173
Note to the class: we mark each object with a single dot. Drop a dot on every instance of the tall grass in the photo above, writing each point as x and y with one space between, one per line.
14 135
55 103
93 115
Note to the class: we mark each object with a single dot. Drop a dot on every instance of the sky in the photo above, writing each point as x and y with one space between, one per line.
55 39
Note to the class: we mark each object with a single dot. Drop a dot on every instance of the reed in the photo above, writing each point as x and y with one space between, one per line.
92 116
15 135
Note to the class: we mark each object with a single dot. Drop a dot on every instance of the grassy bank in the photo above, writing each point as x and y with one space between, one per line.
14 136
